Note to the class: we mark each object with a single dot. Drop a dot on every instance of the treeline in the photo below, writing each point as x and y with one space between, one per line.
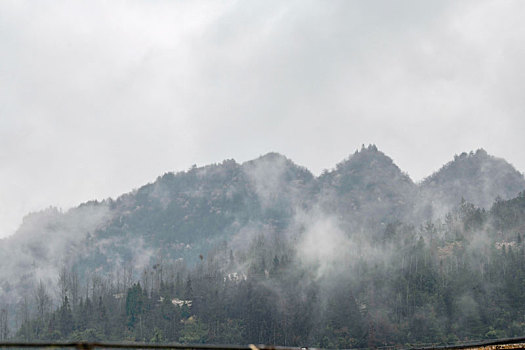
457 279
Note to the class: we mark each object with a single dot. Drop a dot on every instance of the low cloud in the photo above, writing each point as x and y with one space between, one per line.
93 89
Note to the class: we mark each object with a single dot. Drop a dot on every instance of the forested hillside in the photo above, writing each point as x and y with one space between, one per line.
476 177
265 252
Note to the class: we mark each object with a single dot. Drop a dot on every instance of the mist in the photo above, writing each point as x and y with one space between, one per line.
396 226
359 246
120 100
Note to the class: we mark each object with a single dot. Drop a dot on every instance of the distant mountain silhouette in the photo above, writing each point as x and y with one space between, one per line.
477 177
368 188
182 215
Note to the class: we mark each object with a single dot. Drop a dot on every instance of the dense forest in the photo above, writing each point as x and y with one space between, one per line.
358 257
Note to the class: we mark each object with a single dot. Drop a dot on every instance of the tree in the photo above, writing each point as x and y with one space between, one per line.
43 301
4 325
65 317
134 304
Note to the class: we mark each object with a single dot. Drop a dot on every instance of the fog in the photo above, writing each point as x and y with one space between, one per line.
99 98
359 245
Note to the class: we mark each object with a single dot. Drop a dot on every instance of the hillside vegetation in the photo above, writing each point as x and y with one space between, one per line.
266 252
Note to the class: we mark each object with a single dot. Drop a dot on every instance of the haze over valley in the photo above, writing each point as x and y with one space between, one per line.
326 174
263 223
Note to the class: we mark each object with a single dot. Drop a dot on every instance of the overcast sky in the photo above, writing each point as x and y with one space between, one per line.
100 97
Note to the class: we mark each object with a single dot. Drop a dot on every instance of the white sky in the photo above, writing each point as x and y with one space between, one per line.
100 97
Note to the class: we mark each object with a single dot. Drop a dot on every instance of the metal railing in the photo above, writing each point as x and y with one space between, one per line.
104 345
496 344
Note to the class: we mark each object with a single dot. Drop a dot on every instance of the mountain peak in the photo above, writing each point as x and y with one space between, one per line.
272 156
477 176
269 158
370 148
369 159
369 185
480 154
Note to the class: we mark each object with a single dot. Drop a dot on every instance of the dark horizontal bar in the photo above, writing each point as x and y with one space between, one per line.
89 345
505 341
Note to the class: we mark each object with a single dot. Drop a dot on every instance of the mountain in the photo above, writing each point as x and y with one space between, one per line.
180 215
184 215
321 259
368 189
476 177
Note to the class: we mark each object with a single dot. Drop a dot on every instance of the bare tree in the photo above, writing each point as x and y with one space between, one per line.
146 281
63 283
4 326
43 300
74 286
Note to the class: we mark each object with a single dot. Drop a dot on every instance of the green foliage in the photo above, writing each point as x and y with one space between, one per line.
409 281
194 332
134 304
432 290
